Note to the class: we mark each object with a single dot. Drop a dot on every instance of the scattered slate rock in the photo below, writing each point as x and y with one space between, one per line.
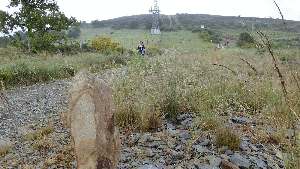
240 120
258 162
200 149
244 146
185 135
148 166
240 161
185 116
214 161
145 138
170 126
279 155
206 166
228 165
187 123
175 156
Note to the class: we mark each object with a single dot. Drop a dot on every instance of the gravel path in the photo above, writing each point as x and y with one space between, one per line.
30 109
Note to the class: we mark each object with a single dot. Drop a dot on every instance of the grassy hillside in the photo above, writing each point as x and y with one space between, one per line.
194 21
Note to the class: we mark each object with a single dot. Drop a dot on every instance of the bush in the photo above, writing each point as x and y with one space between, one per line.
26 74
246 40
226 137
74 32
209 35
106 45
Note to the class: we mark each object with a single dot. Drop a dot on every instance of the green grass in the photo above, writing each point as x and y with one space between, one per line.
34 69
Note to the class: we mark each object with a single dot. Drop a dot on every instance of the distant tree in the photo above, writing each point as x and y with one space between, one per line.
209 35
245 40
42 21
74 32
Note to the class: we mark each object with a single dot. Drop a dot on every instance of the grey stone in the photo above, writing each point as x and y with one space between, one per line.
148 166
206 166
123 166
187 123
154 144
179 148
205 142
145 138
240 161
244 146
135 137
279 155
201 149
228 152
149 153
170 126
185 135
253 147
182 117
258 162
214 161
240 120
290 133
177 155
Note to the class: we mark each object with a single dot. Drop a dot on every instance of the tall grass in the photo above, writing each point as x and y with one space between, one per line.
34 69
169 85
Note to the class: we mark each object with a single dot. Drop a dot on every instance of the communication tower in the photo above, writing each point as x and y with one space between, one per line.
155 30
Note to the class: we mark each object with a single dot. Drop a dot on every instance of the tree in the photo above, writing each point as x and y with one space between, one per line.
74 32
41 20
245 40
209 35
4 25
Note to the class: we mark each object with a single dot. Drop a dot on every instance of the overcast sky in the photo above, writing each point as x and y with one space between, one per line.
106 9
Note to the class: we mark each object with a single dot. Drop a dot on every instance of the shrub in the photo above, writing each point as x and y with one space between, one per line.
24 73
209 35
74 32
208 122
226 137
106 45
154 51
171 105
246 40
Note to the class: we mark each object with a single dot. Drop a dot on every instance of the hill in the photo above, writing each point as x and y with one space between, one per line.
194 21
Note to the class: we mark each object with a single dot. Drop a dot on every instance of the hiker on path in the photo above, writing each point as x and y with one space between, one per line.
141 48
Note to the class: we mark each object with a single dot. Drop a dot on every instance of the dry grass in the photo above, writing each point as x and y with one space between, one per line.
227 137
64 158
4 150
39 134
43 145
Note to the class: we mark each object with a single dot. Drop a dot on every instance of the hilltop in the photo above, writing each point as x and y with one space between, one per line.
194 21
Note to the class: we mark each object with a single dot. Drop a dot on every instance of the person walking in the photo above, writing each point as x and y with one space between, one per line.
141 48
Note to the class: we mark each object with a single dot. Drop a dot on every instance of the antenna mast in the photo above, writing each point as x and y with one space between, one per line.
155 30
